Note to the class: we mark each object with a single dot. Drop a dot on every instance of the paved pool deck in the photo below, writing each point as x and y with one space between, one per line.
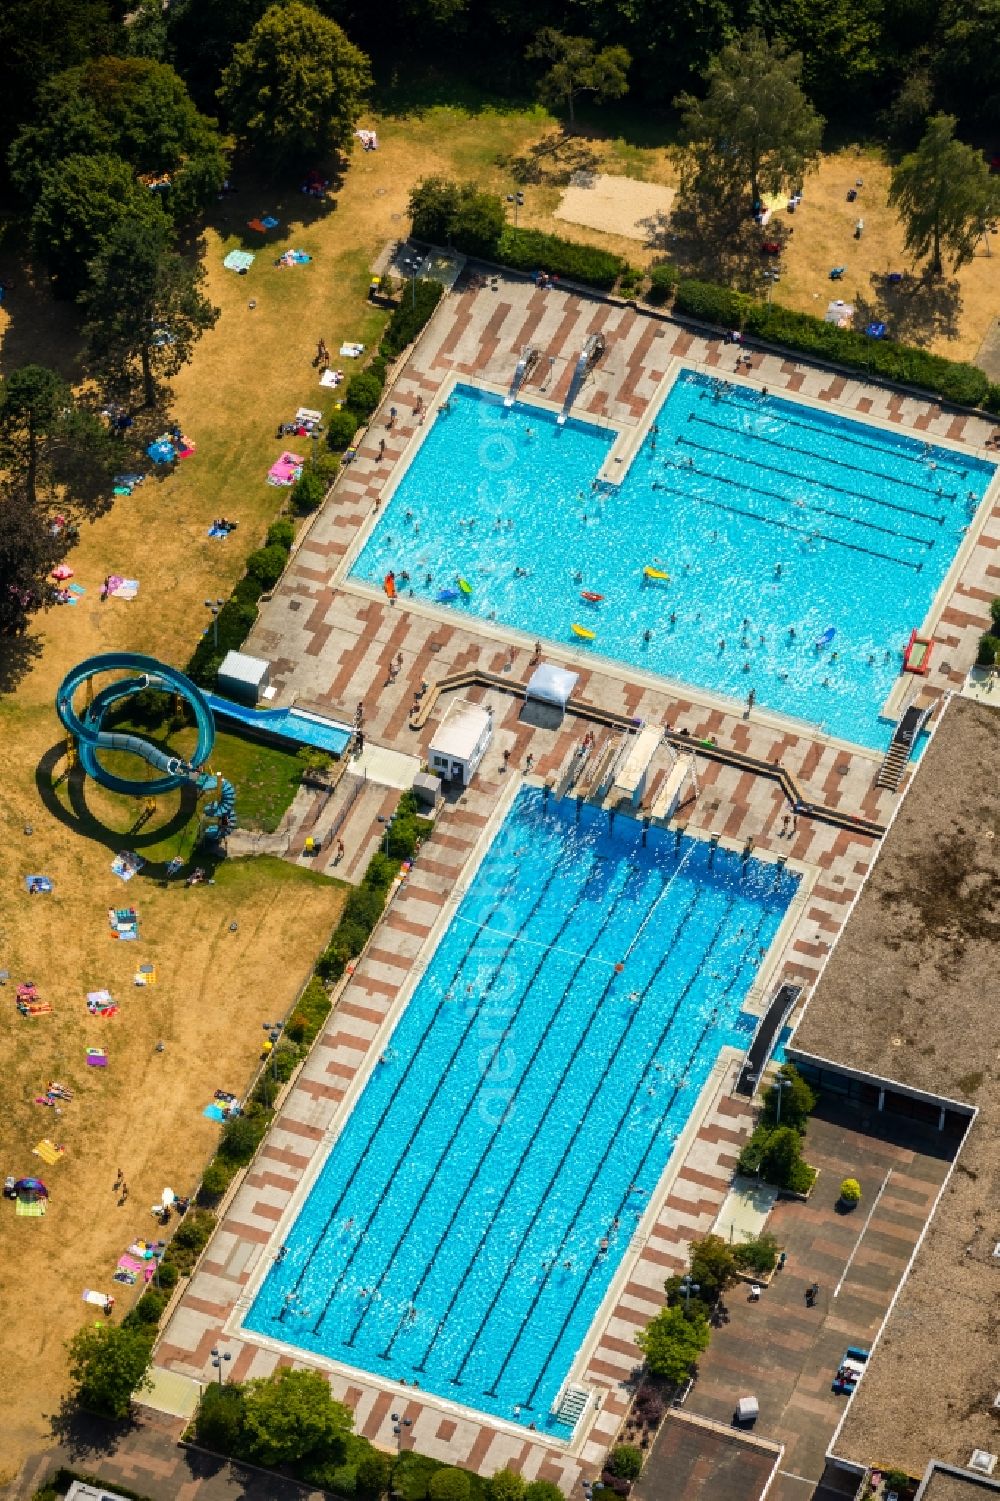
334 645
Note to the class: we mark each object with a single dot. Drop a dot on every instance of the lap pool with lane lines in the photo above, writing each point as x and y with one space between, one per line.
482 1192
775 521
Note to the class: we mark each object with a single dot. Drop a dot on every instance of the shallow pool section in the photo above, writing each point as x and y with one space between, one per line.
483 1190
802 547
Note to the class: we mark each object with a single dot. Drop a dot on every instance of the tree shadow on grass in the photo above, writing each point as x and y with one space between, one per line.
79 818
553 161
917 309
18 654
259 191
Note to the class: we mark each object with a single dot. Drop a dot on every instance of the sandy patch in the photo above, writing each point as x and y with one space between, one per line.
617 206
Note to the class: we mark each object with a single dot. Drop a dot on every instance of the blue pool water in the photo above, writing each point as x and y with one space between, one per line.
293 725
528 1101
771 518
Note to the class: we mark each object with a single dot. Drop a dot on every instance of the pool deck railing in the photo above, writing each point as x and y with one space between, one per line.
475 677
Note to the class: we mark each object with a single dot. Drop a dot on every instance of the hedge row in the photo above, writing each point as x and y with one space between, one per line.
237 616
365 904
952 380
531 250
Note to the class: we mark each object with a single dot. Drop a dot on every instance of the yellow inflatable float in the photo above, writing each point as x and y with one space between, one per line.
581 630
655 573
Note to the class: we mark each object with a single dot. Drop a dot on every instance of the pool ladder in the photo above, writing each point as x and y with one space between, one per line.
525 365
571 1404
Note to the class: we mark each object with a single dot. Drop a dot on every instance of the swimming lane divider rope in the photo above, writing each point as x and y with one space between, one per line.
786 500
659 899
553 1097
812 427
790 526
532 942
724 427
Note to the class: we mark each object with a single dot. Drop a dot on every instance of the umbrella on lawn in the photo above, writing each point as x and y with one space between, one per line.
31 1188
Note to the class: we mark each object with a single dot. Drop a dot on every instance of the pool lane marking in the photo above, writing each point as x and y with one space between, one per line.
553 1097
836 418
750 403
642 926
502 893
573 1139
484 1073
790 500
467 1105
401 1154
595 1259
787 526
755 437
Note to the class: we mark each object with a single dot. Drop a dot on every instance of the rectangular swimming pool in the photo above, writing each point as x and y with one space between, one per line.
802 547
482 1192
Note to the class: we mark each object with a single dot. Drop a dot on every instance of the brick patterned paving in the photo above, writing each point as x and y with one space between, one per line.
331 646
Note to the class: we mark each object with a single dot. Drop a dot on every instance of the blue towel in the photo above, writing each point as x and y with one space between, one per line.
214 1112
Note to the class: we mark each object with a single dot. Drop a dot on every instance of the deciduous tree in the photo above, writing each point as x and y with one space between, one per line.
108 1364
29 549
576 67
292 1415
755 131
53 449
82 204
672 1342
129 107
944 195
144 309
296 86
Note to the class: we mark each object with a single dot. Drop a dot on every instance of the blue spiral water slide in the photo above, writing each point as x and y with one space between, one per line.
86 727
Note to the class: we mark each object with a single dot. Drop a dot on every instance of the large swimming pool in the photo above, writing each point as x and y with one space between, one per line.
776 522
484 1188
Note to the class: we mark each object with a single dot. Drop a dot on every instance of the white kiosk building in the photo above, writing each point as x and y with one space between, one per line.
460 741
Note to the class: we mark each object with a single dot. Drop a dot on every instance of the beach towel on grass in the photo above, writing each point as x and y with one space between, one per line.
97 1058
48 1151
145 975
239 260
214 1112
286 470
124 922
38 883
127 864
30 1209
331 378
99 1300
162 451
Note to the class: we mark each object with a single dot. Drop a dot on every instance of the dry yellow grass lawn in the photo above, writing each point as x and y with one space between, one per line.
215 986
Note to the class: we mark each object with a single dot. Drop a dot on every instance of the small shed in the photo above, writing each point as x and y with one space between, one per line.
747 1411
242 678
460 741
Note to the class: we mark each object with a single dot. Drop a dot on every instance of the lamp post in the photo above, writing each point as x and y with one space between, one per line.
411 265
780 1086
688 1287
388 825
273 1030
218 1357
517 199
215 605
399 1427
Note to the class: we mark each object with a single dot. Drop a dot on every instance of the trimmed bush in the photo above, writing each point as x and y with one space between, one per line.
531 250
148 1310
340 431
989 645
215 1180
281 533
267 564
449 1485
307 493
414 311
625 1461
962 383
363 393
663 281
240 1139
759 1255
850 1191
798 1101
